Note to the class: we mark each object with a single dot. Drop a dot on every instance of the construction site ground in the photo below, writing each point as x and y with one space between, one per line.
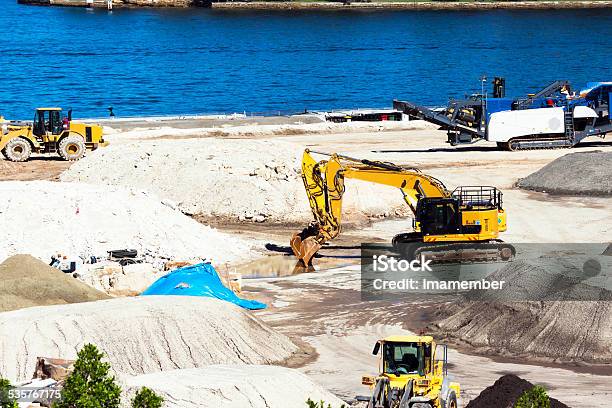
323 309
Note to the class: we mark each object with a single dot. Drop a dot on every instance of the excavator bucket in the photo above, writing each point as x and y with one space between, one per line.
305 245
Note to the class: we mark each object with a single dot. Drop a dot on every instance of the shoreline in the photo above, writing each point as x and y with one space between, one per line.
369 6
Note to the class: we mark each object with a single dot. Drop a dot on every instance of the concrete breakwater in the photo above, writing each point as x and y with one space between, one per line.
291 5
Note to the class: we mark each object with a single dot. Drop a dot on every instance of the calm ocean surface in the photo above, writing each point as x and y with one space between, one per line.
156 62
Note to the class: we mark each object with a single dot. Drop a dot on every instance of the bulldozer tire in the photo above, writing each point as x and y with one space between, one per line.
17 150
72 148
451 401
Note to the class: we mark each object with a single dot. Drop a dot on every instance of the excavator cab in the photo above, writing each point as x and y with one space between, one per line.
438 216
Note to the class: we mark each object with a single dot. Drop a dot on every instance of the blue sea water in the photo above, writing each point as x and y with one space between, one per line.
156 62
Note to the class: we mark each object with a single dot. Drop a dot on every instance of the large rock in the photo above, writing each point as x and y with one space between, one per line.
230 386
139 335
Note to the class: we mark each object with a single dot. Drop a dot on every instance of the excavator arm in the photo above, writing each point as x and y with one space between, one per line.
324 184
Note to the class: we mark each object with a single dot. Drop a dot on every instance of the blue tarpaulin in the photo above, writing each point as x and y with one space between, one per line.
198 280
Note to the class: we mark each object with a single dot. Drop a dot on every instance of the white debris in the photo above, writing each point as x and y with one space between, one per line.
45 218
139 335
254 180
228 386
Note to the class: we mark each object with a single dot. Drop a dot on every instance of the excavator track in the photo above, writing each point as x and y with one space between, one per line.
530 143
411 246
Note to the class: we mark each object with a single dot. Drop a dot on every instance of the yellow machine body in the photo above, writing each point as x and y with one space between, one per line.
477 212
46 133
412 371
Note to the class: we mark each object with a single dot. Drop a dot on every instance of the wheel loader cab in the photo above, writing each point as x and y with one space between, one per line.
405 358
48 121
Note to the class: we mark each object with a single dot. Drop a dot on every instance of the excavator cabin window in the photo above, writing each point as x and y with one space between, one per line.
439 216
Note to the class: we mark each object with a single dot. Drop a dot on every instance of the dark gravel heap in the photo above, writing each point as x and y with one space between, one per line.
582 173
504 393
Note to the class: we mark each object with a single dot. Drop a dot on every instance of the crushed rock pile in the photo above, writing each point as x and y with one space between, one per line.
26 281
231 386
139 335
243 179
582 173
556 329
44 218
504 393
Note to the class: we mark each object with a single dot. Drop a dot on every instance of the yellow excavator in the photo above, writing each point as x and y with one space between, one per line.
449 226
413 373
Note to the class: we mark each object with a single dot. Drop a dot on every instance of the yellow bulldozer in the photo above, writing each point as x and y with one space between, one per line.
413 373
460 225
52 132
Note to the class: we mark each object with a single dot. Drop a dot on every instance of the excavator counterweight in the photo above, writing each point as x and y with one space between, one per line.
443 219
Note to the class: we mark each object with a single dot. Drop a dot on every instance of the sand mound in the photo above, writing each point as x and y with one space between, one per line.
582 173
238 179
253 386
26 281
44 218
556 329
139 335
504 393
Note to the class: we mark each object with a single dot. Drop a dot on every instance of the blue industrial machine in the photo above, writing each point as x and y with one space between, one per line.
554 117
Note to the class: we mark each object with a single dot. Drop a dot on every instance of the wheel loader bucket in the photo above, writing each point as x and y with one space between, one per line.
304 250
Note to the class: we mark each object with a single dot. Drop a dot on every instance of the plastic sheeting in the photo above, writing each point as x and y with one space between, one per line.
198 280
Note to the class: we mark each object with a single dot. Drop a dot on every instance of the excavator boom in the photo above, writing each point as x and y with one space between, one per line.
324 183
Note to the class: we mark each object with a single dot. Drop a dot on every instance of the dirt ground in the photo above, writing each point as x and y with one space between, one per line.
324 308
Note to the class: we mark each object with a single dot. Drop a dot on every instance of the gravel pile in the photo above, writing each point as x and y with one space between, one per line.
44 218
26 281
556 330
504 393
230 386
582 173
244 179
139 335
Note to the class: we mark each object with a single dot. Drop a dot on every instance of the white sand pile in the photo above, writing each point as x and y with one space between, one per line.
228 386
139 335
582 173
44 218
254 129
238 179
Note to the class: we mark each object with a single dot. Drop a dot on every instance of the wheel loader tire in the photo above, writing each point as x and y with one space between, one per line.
72 148
451 401
17 150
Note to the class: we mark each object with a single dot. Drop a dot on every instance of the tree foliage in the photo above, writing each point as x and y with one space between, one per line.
147 398
90 385
321 404
534 397
5 399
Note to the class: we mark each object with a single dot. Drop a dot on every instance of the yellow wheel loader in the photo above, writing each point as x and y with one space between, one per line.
449 226
412 374
51 132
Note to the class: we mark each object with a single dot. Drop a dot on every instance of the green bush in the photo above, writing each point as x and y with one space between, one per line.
321 404
146 398
5 399
534 397
90 385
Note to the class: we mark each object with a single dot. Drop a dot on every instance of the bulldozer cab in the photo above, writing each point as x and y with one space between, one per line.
48 121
